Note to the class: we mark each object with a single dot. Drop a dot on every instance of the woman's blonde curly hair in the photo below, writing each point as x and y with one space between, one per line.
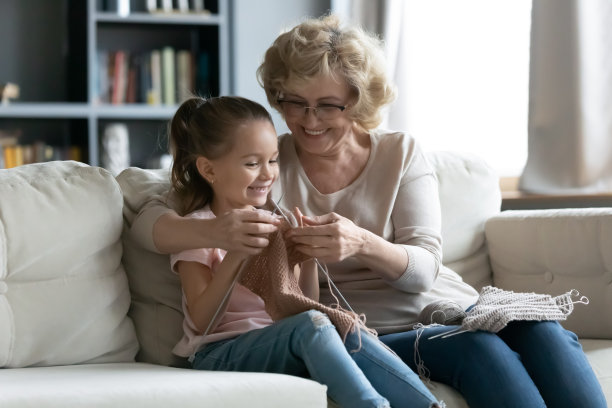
321 46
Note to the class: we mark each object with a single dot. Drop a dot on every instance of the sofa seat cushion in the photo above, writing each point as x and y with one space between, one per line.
148 385
599 353
64 294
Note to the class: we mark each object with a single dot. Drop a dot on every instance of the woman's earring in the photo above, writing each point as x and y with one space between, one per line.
211 181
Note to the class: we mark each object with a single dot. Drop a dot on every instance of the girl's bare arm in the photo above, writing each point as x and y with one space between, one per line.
205 292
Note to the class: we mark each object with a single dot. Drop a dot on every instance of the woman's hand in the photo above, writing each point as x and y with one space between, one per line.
329 237
244 230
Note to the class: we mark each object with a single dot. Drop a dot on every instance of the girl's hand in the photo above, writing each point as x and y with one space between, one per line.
329 237
245 230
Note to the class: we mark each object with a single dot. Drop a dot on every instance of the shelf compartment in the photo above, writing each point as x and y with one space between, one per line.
148 140
62 139
43 49
136 41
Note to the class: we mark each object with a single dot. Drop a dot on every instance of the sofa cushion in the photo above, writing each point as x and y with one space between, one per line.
63 293
469 195
156 291
153 386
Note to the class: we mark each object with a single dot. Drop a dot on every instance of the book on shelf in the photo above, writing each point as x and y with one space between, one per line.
151 6
13 153
202 81
119 83
183 6
160 76
133 80
154 94
185 78
198 6
102 76
168 76
166 6
121 7
176 6
8 141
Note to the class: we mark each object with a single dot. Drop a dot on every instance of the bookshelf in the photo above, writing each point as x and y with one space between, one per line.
61 103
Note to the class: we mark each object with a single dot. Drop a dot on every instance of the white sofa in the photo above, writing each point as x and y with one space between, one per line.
88 317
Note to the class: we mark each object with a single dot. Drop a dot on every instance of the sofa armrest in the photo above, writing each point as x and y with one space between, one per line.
554 251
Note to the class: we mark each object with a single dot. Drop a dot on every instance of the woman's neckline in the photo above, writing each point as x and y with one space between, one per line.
351 185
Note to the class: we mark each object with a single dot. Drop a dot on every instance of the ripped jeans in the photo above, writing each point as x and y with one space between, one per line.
308 345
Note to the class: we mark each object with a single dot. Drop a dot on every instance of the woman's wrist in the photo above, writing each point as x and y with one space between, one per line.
367 243
205 229
388 259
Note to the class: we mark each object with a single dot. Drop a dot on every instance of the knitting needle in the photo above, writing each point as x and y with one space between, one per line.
242 266
320 267
448 334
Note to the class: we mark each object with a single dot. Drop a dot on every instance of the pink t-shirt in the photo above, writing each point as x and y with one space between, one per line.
245 310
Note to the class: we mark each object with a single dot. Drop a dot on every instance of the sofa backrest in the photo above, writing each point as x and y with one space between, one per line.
156 291
469 194
64 295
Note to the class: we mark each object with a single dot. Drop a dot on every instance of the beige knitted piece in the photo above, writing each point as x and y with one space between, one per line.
270 276
495 308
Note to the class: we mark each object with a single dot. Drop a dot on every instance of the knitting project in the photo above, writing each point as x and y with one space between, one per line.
270 276
495 308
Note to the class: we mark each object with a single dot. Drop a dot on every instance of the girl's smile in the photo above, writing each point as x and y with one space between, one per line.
243 177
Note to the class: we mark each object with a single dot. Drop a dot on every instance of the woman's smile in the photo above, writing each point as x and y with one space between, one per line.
312 132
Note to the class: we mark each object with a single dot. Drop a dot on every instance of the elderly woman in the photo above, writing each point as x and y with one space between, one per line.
374 219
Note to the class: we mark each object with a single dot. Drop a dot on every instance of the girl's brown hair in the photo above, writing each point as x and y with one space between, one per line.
205 127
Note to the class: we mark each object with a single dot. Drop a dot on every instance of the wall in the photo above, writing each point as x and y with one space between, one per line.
255 25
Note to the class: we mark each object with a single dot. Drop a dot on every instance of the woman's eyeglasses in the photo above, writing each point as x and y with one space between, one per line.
296 109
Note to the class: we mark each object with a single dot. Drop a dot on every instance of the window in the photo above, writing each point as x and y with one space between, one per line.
465 78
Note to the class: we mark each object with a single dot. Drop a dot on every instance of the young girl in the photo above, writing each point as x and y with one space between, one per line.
225 159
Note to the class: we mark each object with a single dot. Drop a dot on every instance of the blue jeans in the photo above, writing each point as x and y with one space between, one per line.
526 364
308 345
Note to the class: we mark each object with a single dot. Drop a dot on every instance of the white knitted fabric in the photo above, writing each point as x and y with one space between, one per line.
495 308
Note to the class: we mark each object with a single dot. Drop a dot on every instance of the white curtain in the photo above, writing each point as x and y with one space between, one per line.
566 137
570 99
387 18
461 68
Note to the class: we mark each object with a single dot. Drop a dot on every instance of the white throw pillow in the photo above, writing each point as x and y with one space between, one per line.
63 291
469 196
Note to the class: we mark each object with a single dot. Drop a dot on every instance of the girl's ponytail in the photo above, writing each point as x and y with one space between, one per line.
192 189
